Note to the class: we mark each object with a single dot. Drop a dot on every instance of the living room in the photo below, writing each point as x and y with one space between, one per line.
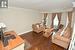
21 16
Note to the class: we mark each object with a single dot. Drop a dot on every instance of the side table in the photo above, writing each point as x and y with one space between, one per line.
13 44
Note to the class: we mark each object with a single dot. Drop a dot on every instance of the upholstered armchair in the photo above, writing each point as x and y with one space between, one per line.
48 32
38 27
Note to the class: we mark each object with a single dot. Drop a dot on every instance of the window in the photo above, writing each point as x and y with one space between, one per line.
3 3
56 22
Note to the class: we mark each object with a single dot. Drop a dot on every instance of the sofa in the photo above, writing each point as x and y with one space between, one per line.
64 39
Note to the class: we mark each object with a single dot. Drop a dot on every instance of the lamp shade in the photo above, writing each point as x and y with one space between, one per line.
2 25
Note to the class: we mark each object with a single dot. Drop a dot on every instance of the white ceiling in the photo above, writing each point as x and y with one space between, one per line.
45 5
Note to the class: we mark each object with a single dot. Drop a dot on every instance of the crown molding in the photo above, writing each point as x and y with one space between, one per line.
58 10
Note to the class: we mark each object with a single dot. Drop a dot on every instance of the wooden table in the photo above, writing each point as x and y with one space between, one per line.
12 43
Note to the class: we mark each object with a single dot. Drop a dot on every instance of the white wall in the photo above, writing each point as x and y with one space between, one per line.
21 20
18 19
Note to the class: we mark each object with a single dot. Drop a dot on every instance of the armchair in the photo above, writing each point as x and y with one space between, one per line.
48 32
38 27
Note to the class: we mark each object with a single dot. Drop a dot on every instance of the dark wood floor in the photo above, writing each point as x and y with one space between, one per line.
38 42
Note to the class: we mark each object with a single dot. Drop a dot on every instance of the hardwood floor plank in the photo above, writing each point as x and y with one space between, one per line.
39 42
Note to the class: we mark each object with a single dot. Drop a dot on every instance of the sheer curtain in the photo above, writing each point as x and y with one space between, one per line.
45 16
59 18
68 23
53 16
69 18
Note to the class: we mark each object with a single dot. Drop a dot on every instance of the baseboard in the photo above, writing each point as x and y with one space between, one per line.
25 32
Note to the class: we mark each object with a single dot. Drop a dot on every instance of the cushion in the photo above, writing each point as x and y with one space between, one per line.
59 31
62 32
37 26
67 33
62 38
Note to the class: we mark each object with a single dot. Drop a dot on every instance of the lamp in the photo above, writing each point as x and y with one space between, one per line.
5 38
2 27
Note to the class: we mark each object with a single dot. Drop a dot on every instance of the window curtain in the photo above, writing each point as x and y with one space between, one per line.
69 19
45 16
54 15
59 17
68 24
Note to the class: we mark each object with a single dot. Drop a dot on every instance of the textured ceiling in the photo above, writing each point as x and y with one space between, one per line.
45 5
